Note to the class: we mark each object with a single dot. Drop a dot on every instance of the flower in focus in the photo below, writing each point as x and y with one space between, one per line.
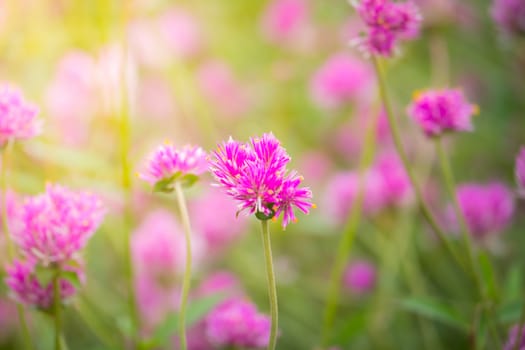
514 337
440 111
237 323
487 208
509 15
520 171
57 224
387 22
27 289
360 277
255 174
17 117
340 80
169 163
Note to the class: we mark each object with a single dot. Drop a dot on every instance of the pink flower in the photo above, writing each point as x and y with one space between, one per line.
440 111
156 100
360 277
212 215
181 32
17 117
487 208
57 224
223 90
26 288
520 171
509 15
237 323
170 162
220 282
284 20
255 175
515 336
341 80
395 184
316 165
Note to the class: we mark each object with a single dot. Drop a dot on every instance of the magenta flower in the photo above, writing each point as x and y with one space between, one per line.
17 117
360 277
57 224
440 111
237 323
341 79
27 289
509 15
255 175
520 171
169 163
285 20
488 208
387 23
514 337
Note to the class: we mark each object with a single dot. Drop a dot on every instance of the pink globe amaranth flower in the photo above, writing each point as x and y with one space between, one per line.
515 336
168 163
284 20
220 282
222 89
440 111
18 118
360 277
236 322
340 80
255 174
58 223
509 15
487 208
156 100
181 32
316 165
25 287
212 215
395 183
520 172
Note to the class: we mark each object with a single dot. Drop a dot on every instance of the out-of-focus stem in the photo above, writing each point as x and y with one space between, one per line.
186 282
57 310
347 239
272 289
404 158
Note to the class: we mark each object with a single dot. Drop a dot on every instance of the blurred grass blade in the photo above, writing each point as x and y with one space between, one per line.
488 276
436 311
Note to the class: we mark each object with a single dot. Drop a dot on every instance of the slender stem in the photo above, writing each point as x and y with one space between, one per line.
451 188
186 282
272 289
347 239
57 310
406 163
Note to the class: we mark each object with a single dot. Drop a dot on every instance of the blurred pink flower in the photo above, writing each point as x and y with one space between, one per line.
18 118
181 32
342 79
360 277
284 20
220 282
520 172
236 322
315 165
487 208
57 224
509 15
516 335
26 288
146 43
222 89
168 161
440 111
396 185
212 215
156 99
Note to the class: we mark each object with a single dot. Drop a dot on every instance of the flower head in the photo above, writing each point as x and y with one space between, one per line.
26 288
360 277
285 20
514 337
17 117
169 163
440 111
237 323
255 174
520 171
58 223
509 15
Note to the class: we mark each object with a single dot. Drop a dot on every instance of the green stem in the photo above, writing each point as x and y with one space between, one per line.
187 270
406 163
347 239
57 312
451 188
272 289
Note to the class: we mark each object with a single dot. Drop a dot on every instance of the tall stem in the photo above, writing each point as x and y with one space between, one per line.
347 239
57 310
272 289
404 159
187 270
451 188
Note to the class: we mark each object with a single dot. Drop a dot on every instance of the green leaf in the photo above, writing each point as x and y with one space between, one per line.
44 275
510 312
166 185
188 180
513 284
488 276
437 311
71 277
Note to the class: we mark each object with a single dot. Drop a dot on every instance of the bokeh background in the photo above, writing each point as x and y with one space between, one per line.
113 79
